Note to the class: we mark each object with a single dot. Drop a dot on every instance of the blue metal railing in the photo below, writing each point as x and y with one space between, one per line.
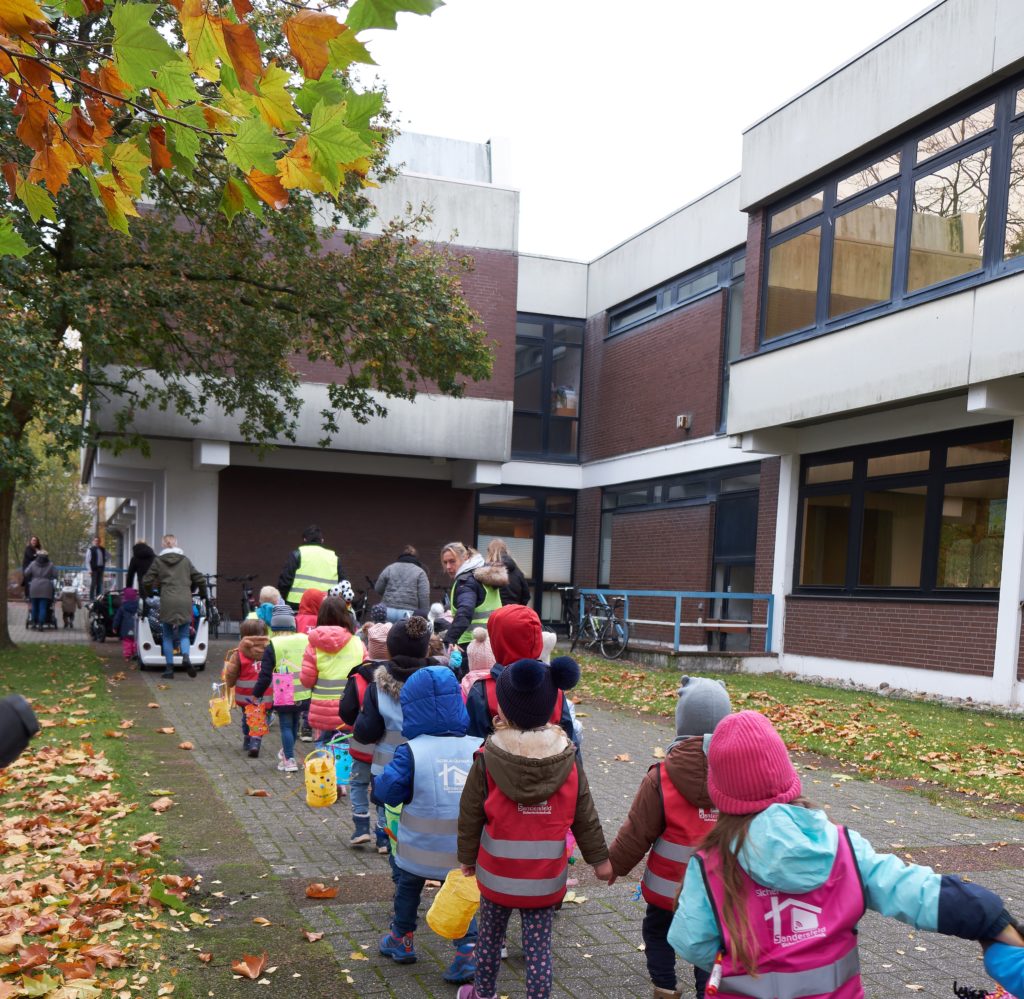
678 596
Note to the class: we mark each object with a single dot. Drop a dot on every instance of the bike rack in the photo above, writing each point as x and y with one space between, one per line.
678 596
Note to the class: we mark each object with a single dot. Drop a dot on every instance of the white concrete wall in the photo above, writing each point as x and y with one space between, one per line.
943 52
552 287
940 346
455 159
696 233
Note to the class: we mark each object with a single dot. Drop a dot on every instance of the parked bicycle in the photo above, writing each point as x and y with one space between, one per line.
569 620
602 625
248 601
212 610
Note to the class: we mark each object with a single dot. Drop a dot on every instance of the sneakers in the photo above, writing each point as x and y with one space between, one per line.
189 668
305 732
290 766
463 966
470 992
282 761
399 949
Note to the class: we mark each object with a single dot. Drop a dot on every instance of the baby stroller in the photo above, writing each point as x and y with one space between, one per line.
101 616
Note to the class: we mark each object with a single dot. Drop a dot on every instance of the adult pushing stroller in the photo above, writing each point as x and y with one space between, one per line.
101 616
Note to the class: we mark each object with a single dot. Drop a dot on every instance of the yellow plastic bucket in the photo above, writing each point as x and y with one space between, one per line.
321 779
454 906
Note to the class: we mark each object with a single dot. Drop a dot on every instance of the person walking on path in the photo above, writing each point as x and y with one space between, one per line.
312 564
425 777
175 577
125 622
242 672
523 795
403 586
332 651
138 565
777 889
97 562
283 654
670 815
41 577
70 601
517 590
474 596
28 557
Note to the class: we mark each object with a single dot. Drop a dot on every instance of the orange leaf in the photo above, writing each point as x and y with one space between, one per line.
245 55
10 175
205 956
242 8
109 957
308 33
32 957
296 169
109 79
312 937
147 843
262 921
257 792
53 163
166 730
160 159
161 804
34 116
319 890
34 73
267 188
185 745
250 966
21 16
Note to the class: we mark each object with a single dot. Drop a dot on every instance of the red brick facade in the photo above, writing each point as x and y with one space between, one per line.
753 283
637 383
587 537
367 519
958 638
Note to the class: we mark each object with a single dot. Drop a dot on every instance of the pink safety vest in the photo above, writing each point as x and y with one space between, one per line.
807 944
685 826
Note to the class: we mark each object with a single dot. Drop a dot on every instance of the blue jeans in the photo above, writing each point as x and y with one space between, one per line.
360 789
289 718
396 614
408 889
40 610
171 635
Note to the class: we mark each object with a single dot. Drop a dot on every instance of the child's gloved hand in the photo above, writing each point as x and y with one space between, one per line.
455 658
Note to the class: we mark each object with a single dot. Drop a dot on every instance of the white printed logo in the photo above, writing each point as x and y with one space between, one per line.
453 778
541 808
803 921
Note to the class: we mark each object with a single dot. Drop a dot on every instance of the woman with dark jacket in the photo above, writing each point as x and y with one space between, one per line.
31 550
518 589
142 559
41 577
475 592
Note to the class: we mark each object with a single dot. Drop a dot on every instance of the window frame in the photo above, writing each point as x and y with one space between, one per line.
1007 125
934 478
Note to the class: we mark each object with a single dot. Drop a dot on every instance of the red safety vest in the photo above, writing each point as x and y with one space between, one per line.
491 692
248 674
807 944
685 826
359 750
523 860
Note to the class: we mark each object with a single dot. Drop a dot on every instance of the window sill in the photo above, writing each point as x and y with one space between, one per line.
893 596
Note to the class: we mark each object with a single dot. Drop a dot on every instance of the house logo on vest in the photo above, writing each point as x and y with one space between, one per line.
707 814
453 777
803 921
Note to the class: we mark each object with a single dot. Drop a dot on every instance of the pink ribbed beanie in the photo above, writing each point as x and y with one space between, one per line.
377 640
479 651
748 766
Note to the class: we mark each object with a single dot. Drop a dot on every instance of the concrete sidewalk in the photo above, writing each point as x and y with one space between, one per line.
597 943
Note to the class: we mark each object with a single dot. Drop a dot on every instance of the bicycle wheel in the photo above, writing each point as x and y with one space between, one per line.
614 637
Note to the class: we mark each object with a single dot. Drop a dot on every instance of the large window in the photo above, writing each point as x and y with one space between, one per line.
549 364
940 210
923 516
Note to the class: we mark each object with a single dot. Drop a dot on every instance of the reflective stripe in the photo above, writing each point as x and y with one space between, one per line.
359 747
426 858
672 851
793 984
516 849
521 886
392 738
661 885
421 824
328 690
244 684
384 751
317 570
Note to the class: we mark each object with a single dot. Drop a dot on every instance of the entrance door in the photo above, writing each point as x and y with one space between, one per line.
735 545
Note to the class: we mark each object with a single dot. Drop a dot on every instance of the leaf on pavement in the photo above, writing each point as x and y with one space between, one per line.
257 792
185 745
319 890
311 936
250 966
161 804
166 730
624 758
262 921
205 956
658 753
152 704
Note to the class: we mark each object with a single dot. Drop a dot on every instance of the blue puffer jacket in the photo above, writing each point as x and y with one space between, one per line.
793 849
431 705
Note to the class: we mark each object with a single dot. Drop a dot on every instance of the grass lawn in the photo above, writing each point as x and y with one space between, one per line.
974 752
83 897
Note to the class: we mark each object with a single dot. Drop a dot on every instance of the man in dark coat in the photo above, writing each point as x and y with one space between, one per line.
176 578
97 562
311 566
403 587
142 559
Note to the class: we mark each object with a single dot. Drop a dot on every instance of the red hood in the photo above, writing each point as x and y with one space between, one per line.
329 638
311 601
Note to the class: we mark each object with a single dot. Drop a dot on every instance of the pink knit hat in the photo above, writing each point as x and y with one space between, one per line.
748 766
377 640
479 651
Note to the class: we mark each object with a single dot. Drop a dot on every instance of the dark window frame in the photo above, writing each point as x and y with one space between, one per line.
934 478
999 137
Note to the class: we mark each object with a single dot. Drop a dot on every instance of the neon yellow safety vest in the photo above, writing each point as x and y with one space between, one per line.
333 668
318 570
288 650
482 611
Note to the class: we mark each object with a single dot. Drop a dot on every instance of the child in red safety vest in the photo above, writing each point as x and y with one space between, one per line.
525 792
777 889
241 670
670 815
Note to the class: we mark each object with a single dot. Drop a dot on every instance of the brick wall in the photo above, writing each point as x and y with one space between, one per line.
959 638
635 384
764 558
587 537
367 519
755 275
490 289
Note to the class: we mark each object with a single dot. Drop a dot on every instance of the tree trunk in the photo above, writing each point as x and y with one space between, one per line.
7 487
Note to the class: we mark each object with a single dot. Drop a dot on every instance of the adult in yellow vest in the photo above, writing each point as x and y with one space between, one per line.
283 656
311 566
475 592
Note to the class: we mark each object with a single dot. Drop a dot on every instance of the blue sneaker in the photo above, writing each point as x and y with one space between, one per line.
399 949
462 970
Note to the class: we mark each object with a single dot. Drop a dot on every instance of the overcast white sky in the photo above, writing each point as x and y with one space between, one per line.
617 111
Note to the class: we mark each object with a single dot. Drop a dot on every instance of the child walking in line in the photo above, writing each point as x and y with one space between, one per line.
777 889
480 659
241 670
380 721
425 776
124 621
283 655
359 680
670 815
70 601
524 794
309 608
